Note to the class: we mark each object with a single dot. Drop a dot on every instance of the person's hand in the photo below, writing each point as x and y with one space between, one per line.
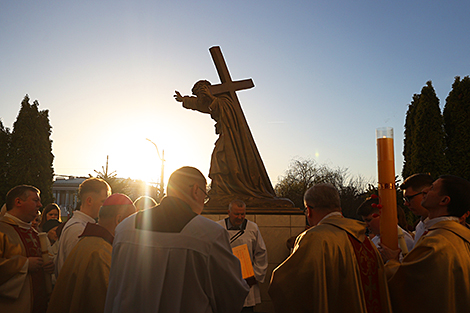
178 96
251 281
35 263
49 267
389 254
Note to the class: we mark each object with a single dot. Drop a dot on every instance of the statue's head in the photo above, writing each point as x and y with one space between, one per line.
198 85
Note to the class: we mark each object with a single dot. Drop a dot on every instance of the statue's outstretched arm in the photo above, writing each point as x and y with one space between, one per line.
191 103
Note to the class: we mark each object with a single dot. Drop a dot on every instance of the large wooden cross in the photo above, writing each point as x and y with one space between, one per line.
227 84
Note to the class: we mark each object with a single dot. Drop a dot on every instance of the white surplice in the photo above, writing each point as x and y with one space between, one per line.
193 270
258 254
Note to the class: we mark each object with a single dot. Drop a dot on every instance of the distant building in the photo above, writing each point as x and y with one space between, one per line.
64 190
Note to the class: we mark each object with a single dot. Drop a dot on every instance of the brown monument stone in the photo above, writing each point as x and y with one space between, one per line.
236 170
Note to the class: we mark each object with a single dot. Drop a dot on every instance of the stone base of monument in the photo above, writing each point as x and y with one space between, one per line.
277 225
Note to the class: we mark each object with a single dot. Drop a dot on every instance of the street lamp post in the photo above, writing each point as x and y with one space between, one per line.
162 158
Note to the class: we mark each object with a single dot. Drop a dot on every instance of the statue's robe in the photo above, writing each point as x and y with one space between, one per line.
334 268
20 290
83 281
435 275
236 167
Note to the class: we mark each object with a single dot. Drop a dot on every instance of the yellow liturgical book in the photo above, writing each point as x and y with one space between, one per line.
242 253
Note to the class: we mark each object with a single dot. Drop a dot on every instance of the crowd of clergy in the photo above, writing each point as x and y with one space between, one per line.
116 255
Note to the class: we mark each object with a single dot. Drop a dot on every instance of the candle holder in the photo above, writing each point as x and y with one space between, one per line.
386 187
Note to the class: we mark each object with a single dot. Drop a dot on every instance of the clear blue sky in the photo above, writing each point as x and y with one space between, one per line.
326 74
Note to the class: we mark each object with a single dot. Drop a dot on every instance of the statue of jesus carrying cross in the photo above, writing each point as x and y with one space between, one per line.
236 170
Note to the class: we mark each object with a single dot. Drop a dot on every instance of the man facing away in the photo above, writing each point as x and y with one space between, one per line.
84 281
170 259
434 276
91 193
334 266
412 189
243 231
22 280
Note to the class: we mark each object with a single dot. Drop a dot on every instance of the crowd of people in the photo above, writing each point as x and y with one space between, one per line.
116 255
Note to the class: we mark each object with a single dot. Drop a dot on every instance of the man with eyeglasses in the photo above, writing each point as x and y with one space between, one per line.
171 259
434 276
412 189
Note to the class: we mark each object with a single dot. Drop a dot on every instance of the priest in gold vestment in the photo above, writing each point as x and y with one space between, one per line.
334 266
22 268
83 281
435 275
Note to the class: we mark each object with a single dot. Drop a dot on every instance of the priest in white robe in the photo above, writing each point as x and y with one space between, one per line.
243 231
171 259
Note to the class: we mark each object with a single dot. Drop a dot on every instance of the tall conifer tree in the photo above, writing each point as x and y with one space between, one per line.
425 140
4 147
408 138
457 127
31 155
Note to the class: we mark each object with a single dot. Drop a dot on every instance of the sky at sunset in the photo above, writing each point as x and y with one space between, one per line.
326 75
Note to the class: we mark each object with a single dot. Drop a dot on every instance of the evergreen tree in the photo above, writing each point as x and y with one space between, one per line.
4 145
30 156
408 138
457 127
425 138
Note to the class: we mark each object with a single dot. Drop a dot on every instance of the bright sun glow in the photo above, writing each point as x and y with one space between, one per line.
132 156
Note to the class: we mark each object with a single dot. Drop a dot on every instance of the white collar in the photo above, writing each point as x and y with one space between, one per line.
20 223
431 222
84 216
336 213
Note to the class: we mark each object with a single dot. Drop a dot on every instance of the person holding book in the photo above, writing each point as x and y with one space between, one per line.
243 231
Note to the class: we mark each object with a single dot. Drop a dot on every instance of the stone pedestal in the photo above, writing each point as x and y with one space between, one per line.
276 226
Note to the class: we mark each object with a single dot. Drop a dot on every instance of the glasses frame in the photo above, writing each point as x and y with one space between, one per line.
409 198
207 197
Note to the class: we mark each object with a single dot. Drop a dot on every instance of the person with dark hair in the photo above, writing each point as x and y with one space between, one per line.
412 189
434 276
83 288
334 268
370 213
37 220
50 212
91 193
242 231
171 259
22 278
50 227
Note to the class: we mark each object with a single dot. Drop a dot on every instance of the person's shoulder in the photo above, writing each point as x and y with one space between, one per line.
127 224
97 246
449 230
6 222
250 225
200 219
205 228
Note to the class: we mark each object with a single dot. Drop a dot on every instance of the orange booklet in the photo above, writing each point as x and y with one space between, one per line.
242 253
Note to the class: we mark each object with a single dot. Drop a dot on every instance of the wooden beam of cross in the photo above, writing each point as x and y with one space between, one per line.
227 85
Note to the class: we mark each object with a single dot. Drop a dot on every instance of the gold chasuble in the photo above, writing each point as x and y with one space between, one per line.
435 275
334 268
16 245
83 281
